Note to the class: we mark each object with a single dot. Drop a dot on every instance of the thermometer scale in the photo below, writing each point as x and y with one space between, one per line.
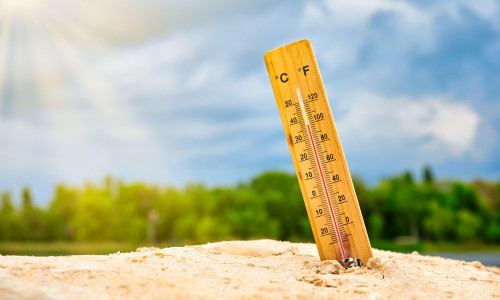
324 178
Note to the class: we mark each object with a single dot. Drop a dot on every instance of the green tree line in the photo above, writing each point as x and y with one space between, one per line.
268 206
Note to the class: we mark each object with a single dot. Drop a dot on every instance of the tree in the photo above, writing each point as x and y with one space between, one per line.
268 206
62 210
95 216
32 225
428 175
8 218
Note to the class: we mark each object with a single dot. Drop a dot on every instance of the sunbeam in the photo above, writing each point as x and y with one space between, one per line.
46 43
5 25
24 6
69 101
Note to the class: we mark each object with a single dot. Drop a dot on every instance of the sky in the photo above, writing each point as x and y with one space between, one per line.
172 92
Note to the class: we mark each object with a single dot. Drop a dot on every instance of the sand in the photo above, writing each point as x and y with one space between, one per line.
242 270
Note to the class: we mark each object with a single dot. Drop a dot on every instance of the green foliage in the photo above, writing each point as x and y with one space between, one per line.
433 211
375 226
428 176
9 221
468 225
439 222
95 217
268 206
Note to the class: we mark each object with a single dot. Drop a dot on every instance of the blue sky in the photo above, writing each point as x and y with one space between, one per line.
172 92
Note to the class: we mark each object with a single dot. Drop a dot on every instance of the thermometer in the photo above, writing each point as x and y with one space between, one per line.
324 178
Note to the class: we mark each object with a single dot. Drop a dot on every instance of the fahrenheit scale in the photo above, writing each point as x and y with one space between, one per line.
325 181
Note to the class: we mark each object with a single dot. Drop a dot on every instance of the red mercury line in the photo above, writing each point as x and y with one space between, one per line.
306 119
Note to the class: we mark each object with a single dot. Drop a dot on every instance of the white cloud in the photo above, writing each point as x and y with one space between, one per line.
434 128
359 12
487 9
174 76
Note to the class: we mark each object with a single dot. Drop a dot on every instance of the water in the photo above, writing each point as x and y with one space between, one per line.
486 258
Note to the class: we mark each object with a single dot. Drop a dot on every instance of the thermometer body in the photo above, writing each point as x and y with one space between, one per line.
324 178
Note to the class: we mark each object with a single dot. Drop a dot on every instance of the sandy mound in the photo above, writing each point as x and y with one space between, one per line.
251 269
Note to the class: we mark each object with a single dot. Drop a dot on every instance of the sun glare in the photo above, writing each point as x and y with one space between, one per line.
24 5
44 44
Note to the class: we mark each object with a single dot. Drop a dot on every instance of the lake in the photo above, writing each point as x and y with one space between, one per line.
486 258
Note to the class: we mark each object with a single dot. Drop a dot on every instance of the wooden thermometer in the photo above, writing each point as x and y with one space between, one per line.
327 189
